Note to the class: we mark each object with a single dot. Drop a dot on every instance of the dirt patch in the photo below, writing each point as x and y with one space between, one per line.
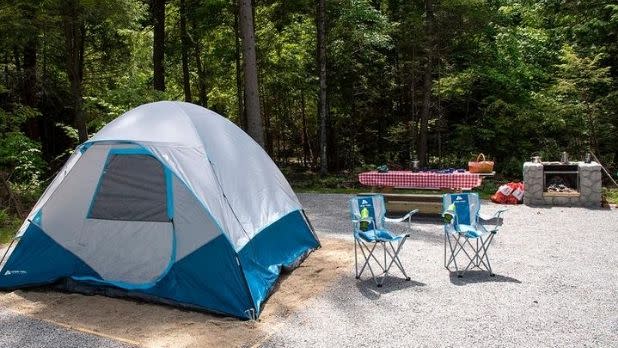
155 325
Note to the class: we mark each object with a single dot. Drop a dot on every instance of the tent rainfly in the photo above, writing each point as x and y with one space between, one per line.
172 202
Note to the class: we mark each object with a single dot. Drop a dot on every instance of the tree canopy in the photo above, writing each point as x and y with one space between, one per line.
434 80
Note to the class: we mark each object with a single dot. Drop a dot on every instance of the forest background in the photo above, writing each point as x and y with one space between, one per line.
341 85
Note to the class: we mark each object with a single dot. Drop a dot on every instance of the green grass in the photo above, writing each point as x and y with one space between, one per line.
8 226
612 195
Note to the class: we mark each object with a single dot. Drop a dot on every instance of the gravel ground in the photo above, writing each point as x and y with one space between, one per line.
18 330
555 286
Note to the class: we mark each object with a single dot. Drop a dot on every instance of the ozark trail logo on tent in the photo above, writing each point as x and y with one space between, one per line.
459 198
9 272
364 201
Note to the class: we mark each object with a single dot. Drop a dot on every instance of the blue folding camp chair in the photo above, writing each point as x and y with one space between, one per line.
467 233
368 217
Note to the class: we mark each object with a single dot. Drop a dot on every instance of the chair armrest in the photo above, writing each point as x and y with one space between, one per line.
356 220
450 228
494 220
408 217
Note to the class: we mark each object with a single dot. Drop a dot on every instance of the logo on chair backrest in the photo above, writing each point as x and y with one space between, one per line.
368 204
462 208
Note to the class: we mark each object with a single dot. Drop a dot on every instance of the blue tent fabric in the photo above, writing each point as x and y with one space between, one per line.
264 256
214 277
39 260
208 278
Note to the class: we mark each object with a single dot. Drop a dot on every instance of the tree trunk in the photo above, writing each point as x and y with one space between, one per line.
16 56
322 109
592 128
184 38
74 32
201 74
30 78
427 84
158 47
267 105
6 68
307 155
252 99
29 91
242 115
30 86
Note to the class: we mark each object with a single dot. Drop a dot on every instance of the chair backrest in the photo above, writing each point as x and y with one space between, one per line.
375 207
467 207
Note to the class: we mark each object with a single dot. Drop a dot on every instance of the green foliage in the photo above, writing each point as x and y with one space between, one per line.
511 78
611 195
12 121
575 104
20 156
8 226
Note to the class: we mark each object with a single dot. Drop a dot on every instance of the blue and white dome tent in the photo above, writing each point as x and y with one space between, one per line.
169 201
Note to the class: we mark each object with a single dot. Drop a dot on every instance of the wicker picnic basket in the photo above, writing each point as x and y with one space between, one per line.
480 165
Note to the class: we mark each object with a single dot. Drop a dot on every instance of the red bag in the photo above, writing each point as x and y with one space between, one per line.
511 193
498 197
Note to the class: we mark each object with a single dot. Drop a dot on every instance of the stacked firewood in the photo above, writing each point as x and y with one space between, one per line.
559 188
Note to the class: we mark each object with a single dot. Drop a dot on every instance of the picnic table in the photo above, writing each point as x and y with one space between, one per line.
426 203
421 180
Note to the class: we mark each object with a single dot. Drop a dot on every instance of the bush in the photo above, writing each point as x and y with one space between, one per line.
21 157
8 225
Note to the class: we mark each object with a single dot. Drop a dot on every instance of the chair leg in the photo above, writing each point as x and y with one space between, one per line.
368 254
395 258
471 259
445 236
455 247
384 250
478 256
484 249
384 269
356 260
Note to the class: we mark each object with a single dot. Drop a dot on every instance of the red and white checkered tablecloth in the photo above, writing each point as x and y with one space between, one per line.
420 180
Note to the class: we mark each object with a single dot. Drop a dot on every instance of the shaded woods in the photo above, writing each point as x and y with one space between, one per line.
353 82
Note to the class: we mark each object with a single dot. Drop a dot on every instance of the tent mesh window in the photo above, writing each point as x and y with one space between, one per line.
131 188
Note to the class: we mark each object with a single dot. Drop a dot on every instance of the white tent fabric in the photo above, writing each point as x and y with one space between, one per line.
196 143
203 150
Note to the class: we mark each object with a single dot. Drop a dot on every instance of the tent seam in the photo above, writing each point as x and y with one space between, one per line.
221 190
